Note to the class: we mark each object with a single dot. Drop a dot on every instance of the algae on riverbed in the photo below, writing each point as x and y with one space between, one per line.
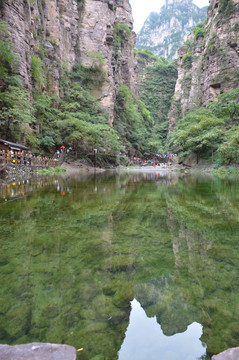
76 252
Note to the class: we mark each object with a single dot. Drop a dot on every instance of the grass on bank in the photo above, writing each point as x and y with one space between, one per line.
50 171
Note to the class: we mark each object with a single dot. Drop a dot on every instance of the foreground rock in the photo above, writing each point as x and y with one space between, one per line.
231 354
37 351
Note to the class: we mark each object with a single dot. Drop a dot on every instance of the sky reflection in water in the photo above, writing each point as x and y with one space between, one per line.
74 253
145 340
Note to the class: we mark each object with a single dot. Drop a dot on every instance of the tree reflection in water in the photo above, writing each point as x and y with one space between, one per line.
75 252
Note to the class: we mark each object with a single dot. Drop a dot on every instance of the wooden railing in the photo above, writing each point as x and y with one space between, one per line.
26 160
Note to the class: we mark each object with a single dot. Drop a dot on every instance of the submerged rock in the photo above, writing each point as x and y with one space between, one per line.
231 354
37 351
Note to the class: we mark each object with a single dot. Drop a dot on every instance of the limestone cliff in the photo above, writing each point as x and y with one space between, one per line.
65 32
164 32
208 62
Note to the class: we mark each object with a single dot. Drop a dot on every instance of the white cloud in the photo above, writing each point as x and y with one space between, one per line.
142 8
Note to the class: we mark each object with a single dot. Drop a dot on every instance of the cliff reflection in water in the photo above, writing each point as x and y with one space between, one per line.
76 251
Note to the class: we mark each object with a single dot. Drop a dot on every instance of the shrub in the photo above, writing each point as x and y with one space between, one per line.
187 61
122 34
37 71
199 31
8 59
226 6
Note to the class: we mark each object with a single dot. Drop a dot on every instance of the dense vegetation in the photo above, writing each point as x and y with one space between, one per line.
157 78
45 121
211 132
133 121
76 118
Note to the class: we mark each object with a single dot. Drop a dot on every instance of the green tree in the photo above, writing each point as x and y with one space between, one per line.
47 114
82 121
229 149
122 34
157 83
199 131
227 106
133 121
8 59
16 110
199 31
37 71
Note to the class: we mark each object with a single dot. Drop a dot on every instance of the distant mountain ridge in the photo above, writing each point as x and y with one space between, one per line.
164 32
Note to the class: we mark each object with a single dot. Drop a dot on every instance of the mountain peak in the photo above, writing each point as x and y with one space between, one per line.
164 32
173 2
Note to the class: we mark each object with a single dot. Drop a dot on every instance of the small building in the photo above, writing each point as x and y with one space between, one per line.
8 145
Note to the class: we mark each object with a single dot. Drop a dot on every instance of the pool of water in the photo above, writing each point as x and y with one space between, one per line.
126 266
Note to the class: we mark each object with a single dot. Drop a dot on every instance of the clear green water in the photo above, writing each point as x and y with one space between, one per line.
121 264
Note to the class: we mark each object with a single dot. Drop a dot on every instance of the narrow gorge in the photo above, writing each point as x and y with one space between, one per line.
70 75
119 192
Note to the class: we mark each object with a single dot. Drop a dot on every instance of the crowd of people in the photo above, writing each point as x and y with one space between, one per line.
22 158
162 160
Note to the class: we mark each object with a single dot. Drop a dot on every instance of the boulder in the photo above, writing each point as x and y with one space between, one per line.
37 351
190 160
231 354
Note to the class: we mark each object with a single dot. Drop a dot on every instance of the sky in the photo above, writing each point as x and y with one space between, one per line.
142 8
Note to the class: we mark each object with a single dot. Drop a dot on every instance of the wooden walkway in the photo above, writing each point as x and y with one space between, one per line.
25 160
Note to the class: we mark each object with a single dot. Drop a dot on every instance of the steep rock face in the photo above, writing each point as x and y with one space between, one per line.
164 32
65 32
97 33
43 24
208 62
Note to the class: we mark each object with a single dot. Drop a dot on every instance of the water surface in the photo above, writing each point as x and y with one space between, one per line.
125 266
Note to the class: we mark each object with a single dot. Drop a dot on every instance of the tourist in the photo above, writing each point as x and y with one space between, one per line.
45 160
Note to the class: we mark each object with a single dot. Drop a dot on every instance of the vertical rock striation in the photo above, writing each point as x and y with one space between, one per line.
49 26
66 32
98 32
164 32
208 63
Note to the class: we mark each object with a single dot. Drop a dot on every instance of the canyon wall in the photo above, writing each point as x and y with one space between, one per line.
208 63
65 32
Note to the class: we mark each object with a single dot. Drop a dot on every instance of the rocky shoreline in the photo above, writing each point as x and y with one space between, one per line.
47 351
37 351
15 174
